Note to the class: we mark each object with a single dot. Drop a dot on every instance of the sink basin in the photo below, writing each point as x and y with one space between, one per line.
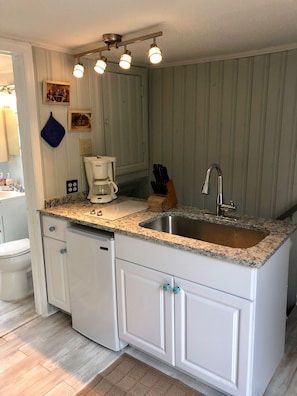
220 234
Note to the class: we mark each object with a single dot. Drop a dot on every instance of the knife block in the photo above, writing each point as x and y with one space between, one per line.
156 203
169 201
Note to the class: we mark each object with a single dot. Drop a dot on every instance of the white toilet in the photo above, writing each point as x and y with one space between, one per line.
15 270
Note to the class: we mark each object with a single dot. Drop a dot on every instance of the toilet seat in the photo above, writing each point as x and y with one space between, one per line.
14 248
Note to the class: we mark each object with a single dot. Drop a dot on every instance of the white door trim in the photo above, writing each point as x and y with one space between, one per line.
24 80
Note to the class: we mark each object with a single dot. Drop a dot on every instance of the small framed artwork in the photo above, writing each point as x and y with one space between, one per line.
79 120
55 92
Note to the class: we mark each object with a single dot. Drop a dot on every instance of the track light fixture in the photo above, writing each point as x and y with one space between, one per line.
125 60
154 53
100 65
78 70
113 40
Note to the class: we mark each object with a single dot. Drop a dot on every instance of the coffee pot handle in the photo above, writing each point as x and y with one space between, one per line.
115 187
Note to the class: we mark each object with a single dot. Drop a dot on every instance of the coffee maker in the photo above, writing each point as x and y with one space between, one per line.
100 171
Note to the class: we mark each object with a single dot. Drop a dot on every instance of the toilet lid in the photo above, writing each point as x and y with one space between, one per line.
14 248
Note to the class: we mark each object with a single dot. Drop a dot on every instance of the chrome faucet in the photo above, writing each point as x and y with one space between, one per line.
221 208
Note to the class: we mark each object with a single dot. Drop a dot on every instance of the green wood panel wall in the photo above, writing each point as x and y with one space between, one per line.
240 113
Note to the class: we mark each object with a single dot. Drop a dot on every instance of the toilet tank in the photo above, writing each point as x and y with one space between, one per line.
13 218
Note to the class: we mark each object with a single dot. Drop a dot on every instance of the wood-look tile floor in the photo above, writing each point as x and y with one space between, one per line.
16 314
45 356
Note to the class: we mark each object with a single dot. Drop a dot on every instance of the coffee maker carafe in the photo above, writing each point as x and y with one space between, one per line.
100 172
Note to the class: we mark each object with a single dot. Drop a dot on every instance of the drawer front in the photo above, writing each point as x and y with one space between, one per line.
207 271
54 228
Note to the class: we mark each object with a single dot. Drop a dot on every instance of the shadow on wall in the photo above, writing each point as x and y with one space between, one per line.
138 188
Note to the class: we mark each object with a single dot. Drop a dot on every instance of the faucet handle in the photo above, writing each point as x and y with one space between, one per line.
227 207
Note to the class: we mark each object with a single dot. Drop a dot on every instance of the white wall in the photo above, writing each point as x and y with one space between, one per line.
64 162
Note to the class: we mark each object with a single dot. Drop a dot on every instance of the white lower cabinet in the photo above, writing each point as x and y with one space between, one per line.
146 317
220 322
56 264
212 334
200 330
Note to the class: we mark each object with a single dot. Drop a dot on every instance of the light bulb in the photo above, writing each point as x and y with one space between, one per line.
155 54
100 65
125 60
78 70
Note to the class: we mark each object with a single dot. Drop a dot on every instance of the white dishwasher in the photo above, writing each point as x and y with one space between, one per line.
91 264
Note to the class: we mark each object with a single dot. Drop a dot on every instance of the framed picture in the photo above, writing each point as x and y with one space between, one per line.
55 92
79 120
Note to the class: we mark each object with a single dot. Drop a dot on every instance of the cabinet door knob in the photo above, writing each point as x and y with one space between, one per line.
63 250
52 228
166 287
176 290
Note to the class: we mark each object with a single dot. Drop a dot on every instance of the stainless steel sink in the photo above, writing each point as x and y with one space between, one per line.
220 234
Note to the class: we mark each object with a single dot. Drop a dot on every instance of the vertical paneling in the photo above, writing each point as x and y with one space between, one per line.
241 113
242 109
167 98
201 132
228 104
190 104
63 162
273 114
178 127
214 115
287 183
256 133
156 106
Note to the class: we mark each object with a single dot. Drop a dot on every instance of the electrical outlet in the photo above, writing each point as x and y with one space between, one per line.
71 186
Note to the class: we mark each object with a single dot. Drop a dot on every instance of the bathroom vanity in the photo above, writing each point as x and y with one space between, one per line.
215 312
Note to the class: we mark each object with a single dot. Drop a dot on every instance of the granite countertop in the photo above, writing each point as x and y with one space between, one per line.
78 211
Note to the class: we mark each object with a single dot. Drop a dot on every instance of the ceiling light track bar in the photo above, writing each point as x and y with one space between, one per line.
119 44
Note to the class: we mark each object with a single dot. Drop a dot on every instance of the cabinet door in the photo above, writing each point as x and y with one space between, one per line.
56 273
212 336
54 228
125 119
145 309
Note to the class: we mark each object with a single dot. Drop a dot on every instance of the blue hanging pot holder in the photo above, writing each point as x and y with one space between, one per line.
53 132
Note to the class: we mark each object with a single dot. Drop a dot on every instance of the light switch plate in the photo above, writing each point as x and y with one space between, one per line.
71 186
85 146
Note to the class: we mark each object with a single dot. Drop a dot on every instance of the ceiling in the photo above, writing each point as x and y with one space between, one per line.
193 30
